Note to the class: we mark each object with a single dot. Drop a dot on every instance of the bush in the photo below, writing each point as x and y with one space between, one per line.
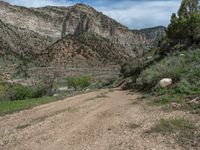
183 69
19 92
79 82
39 91
3 91
131 67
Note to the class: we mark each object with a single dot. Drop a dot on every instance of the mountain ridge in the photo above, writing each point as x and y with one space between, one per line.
52 23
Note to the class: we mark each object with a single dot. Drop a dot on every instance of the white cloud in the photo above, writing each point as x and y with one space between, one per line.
40 3
142 14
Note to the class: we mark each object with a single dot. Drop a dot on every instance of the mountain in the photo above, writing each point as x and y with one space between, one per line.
22 41
83 50
32 32
154 34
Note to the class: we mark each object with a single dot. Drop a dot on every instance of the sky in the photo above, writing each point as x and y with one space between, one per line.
135 14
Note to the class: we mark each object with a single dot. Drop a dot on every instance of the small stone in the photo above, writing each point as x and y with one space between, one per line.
109 129
175 105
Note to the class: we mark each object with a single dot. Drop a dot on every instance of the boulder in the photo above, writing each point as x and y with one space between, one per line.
165 82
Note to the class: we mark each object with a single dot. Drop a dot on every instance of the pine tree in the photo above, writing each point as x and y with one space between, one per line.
188 7
184 28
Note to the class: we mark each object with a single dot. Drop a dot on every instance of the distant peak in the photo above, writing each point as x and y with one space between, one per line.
81 5
3 2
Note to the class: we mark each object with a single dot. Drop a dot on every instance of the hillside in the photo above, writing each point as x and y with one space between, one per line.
82 51
20 43
57 22
176 59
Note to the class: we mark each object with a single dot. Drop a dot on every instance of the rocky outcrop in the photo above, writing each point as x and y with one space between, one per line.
57 22
154 34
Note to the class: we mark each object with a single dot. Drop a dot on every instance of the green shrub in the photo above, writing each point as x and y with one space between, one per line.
131 67
39 91
183 69
19 92
79 82
3 91
84 81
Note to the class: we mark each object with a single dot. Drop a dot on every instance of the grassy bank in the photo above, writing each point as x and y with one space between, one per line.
184 69
13 106
8 107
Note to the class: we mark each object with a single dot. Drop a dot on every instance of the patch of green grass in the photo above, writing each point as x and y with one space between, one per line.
77 82
166 99
193 108
7 107
13 106
172 125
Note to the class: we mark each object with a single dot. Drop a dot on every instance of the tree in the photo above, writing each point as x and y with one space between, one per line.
187 7
185 27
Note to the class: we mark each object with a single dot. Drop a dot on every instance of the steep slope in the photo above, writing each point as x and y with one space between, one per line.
61 21
154 34
21 43
84 50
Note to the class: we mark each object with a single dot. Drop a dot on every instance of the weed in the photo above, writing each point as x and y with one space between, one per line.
172 126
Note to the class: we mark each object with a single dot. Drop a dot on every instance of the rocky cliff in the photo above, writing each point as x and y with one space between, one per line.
31 31
61 21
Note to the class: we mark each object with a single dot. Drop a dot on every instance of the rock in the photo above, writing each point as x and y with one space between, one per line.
195 101
87 90
175 105
165 82
56 95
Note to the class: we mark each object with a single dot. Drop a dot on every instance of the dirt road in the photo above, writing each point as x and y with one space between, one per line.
102 120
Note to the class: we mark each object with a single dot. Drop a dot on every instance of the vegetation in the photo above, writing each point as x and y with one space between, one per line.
183 68
176 57
19 92
8 106
13 92
13 106
15 97
185 132
184 29
79 82
131 67
172 125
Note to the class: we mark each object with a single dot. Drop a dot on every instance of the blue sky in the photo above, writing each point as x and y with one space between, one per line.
135 14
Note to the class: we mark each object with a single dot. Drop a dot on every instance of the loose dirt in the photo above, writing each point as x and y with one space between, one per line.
102 120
